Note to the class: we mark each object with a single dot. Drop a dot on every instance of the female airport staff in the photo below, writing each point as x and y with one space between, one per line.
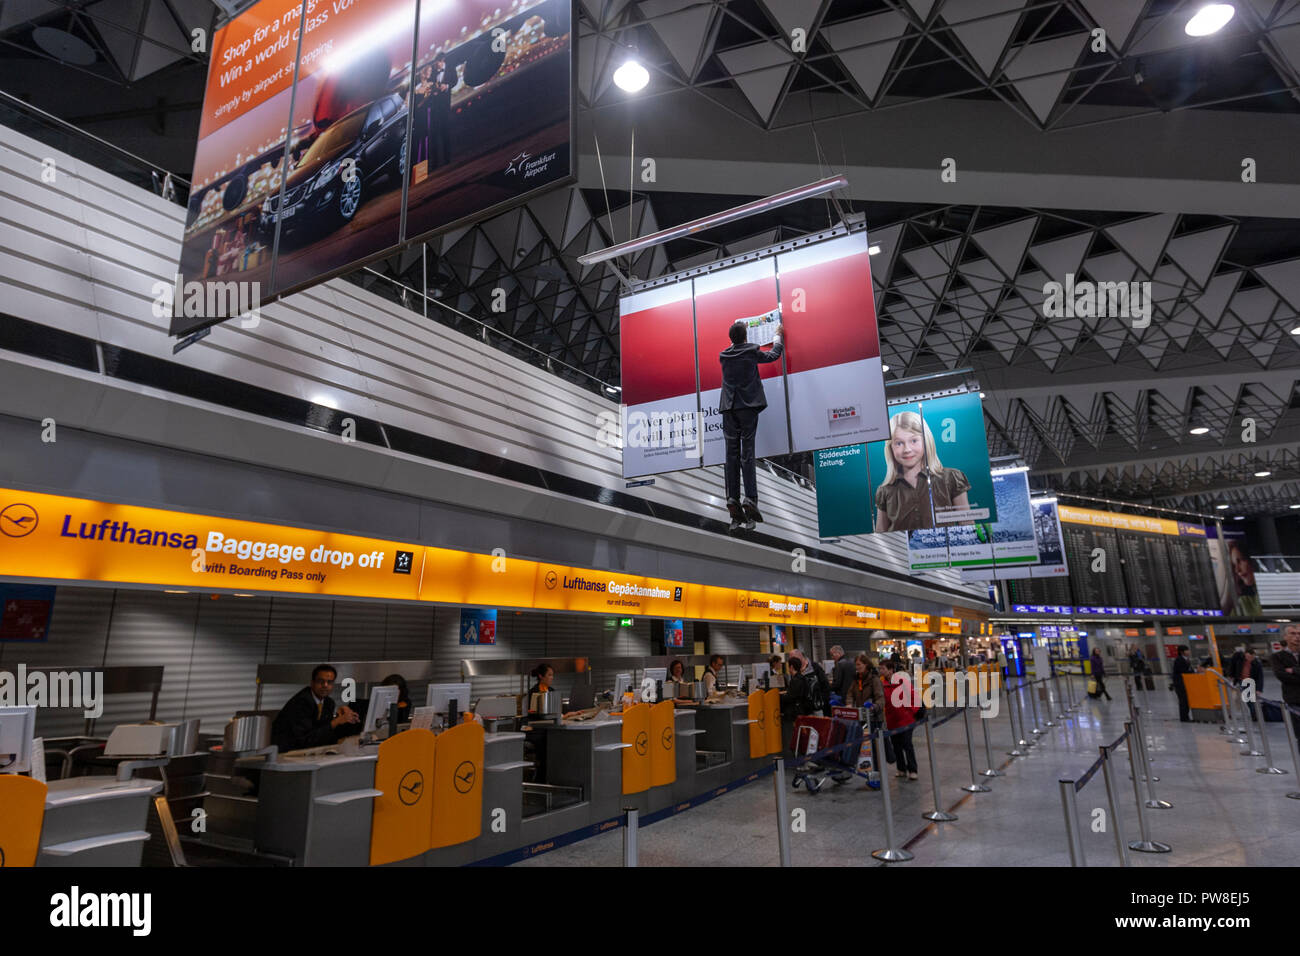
544 677
676 670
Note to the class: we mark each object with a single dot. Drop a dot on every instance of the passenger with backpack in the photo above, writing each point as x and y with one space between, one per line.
899 713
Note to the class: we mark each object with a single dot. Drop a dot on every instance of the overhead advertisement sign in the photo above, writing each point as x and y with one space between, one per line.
843 506
827 390
53 538
324 143
933 471
1009 541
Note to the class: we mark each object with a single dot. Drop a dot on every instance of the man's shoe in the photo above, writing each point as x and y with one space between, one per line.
748 526
751 510
736 525
735 510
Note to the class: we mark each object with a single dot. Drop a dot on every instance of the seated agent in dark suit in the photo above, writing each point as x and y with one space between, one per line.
741 401
309 719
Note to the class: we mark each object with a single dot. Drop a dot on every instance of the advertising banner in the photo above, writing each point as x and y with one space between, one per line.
478 625
826 392
833 372
238 163
674 633
25 612
843 505
1008 541
319 134
661 404
341 200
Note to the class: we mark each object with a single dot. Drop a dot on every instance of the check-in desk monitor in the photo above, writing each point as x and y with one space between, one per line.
656 673
381 699
622 683
17 729
440 695
761 671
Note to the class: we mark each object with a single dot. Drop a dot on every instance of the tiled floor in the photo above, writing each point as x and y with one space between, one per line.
1223 813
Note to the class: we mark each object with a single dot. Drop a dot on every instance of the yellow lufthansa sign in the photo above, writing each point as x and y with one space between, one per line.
50 537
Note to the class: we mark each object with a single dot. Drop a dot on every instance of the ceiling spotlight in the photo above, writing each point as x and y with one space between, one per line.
1221 507
1262 474
1200 430
884 368
1238 517
875 251
1293 507
613 389
981 394
631 77
1296 330
1211 18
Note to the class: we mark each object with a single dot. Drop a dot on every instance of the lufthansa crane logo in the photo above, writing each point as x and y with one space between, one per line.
18 520
551 580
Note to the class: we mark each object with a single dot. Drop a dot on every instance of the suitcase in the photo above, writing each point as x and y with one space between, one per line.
1272 712
1150 681
811 734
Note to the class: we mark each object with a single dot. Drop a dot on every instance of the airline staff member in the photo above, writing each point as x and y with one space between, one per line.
711 674
309 720
544 678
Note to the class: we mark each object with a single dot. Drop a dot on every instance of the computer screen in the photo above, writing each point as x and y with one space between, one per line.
441 694
583 696
381 698
761 671
621 684
17 728
656 673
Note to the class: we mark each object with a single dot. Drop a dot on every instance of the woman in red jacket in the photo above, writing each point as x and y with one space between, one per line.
900 713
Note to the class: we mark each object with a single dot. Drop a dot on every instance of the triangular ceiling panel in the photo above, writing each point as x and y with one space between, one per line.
683 26
1198 254
603 12
1061 257
760 70
796 14
866 47
1006 245
1116 17
1039 71
173 45
14 12
933 263
1254 307
1144 239
1214 299
122 42
921 8
882 263
984 280
981 30
1284 279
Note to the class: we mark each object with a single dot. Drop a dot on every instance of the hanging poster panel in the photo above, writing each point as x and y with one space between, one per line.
226 254
492 110
934 469
658 421
746 291
833 372
482 120
843 505
342 197
1044 587
1009 541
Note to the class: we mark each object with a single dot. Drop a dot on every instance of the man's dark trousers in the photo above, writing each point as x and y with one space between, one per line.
739 426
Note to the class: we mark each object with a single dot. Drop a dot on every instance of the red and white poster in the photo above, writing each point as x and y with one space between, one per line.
835 386
657 341
827 391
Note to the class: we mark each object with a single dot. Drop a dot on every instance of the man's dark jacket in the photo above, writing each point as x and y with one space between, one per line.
741 386
1290 682
1181 666
842 676
296 726
797 702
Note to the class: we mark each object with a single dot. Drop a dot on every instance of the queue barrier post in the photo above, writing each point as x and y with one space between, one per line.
1226 729
988 750
1263 739
1145 844
782 815
1033 703
1070 808
938 814
1112 802
974 786
1250 750
1069 693
889 854
1288 721
1060 700
1016 741
1133 718
1152 802
631 823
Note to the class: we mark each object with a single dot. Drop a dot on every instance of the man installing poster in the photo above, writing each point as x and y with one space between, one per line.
741 402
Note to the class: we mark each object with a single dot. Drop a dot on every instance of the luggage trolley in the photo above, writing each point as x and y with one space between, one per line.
829 747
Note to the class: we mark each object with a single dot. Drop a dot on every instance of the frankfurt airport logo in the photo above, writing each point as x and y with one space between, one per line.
18 520
516 164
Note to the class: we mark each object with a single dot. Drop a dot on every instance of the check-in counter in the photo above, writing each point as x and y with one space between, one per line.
586 755
685 786
503 779
317 810
95 821
726 730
